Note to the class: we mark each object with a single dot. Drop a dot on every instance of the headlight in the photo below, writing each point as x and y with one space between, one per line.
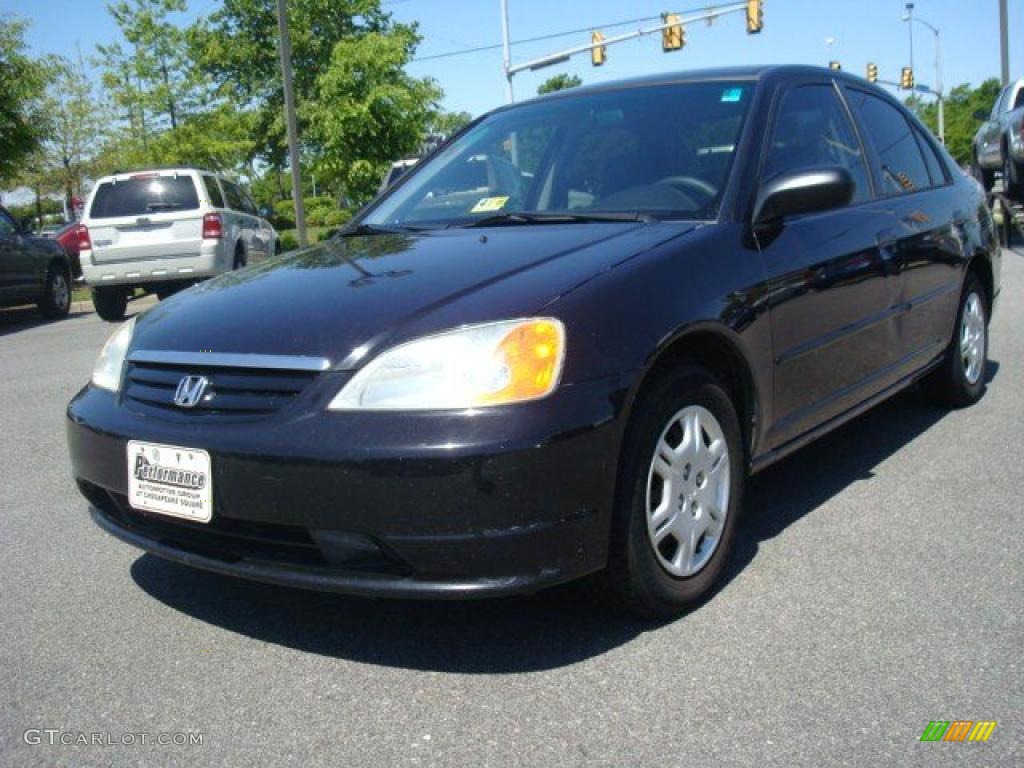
106 374
473 367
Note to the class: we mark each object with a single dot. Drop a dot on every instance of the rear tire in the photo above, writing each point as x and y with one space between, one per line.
56 301
240 260
110 303
959 380
653 571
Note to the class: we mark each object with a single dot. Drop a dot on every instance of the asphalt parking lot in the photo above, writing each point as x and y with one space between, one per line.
877 585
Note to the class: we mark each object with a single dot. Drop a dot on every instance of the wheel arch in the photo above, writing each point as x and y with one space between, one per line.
981 266
717 348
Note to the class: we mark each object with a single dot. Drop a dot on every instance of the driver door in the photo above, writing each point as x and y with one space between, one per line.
832 286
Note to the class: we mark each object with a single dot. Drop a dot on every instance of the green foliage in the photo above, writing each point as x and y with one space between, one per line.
961 103
337 218
288 242
75 126
559 83
23 79
369 110
237 46
152 81
446 124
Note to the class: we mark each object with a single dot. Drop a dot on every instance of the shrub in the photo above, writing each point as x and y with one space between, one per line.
288 242
337 217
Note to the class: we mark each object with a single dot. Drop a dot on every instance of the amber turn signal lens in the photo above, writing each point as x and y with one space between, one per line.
531 353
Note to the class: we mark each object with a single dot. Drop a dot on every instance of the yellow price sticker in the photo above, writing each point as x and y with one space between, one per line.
487 204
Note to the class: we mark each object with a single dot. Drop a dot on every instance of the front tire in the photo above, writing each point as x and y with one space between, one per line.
56 301
959 380
681 486
110 303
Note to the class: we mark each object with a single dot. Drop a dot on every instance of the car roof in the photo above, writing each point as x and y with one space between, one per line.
753 73
183 169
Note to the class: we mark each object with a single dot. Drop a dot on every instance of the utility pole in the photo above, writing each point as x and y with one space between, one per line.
506 47
1004 43
289 115
910 31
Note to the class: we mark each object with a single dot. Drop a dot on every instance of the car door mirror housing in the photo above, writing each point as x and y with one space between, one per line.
25 225
980 114
805 191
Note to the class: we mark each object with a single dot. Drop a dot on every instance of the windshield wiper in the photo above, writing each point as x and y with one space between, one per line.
361 230
538 217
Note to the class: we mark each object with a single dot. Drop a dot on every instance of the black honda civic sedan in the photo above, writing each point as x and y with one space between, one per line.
555 349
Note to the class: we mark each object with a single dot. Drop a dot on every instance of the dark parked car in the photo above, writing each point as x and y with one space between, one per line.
33 269
555 349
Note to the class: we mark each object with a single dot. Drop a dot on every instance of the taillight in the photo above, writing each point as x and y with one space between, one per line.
84 243
212 227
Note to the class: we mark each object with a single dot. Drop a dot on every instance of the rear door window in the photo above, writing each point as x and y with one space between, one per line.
213 191
902 164
931 159
144 195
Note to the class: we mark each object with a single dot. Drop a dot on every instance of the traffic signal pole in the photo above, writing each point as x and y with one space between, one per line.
506 47
555 58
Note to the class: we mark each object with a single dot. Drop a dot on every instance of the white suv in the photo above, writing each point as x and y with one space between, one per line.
164 229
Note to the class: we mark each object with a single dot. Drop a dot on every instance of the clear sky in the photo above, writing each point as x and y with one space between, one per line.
795 31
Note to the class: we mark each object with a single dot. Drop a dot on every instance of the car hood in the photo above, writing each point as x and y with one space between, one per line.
344 298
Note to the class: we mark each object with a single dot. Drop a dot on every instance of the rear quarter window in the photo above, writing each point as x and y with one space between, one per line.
213 192
144 196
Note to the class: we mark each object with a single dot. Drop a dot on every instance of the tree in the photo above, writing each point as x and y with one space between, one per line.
22 82
961 103
237 47
153 80
368 110
446 124
559 83
75 126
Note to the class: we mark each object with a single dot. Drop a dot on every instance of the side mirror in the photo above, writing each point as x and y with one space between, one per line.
980 114
265 211
805 191
26 225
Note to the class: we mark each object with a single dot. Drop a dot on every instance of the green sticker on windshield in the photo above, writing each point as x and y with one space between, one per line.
732 94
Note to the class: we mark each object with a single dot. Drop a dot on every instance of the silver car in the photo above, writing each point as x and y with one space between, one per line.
165 229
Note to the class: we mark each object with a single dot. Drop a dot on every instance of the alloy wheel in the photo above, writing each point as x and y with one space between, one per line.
972 338
688 491
60 293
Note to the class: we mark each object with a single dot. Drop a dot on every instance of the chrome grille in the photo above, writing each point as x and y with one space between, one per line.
231 390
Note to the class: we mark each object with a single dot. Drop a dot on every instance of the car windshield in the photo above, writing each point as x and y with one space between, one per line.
657 151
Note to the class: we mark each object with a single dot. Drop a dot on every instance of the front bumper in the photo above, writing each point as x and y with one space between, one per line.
434 505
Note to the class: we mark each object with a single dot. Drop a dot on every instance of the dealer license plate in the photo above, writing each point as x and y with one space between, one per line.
170 480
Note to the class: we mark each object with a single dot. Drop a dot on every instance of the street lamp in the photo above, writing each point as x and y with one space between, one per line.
910 18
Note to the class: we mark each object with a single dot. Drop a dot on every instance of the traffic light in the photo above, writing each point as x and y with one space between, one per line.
907 78
872 72
674 37
755 16
835 65
600 53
